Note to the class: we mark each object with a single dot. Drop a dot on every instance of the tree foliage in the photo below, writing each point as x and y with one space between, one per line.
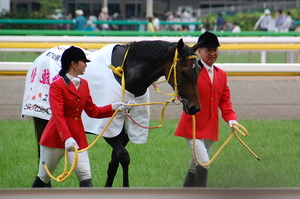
49 8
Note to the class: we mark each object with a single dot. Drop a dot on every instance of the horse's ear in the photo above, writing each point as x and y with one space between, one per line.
196 46
180 45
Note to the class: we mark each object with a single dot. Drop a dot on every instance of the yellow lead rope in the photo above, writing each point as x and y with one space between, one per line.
235 127
62 177
119 71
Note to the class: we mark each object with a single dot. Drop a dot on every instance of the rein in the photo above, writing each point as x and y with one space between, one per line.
120 72
233 133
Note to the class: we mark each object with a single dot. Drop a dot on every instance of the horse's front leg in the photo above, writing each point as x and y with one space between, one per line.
119 155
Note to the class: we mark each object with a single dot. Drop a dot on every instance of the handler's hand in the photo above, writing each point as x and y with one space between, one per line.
231 122
119 105
69 144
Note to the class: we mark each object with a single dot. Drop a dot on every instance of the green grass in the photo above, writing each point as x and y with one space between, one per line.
164 159
224 57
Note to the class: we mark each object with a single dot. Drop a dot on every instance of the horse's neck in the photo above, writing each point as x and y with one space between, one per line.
140 78
140 75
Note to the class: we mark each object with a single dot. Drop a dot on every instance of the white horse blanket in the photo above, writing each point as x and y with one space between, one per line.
103 87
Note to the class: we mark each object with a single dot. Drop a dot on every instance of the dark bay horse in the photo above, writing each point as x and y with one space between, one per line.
145 62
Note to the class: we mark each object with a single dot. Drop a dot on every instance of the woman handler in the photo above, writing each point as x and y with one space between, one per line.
69 96
214 95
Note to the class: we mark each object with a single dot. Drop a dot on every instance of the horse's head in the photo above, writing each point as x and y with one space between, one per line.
187 71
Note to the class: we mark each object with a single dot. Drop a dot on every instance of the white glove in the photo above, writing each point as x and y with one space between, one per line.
254 28
119 105
231 122
69 144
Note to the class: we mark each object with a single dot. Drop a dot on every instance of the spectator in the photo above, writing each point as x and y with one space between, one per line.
279 20
287 22
150 26
228 26
236 27
116 16
156 22
92 18
206 25
263 21
192 27
80 20
185 17
69 17
89 26
104 16
220 22
174 18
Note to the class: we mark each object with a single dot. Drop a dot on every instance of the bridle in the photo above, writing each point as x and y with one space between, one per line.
173 69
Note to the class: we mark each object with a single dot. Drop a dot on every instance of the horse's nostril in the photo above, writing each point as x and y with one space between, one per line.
193 110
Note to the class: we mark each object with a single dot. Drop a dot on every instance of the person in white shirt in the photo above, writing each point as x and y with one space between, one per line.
287 22
236 27
263 21
156 22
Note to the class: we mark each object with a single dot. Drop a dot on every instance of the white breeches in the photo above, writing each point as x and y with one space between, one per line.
52 156
203 148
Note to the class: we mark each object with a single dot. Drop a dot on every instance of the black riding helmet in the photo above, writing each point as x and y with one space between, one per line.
71 54
208 40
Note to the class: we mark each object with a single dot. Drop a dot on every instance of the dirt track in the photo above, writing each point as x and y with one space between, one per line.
252 97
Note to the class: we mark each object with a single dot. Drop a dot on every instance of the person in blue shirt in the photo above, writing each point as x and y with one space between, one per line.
79 21
220 22
89 26
279 20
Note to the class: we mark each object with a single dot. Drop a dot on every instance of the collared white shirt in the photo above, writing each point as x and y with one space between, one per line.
74 80
207 67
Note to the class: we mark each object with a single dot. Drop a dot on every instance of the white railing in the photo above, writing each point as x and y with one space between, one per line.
290 45
237 69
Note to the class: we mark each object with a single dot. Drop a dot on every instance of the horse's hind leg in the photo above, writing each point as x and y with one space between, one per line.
39 125
119 155
112 169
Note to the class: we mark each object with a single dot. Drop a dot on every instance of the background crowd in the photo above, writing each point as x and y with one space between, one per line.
282 21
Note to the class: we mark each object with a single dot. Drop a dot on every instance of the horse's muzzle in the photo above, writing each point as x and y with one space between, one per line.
190 109
193 110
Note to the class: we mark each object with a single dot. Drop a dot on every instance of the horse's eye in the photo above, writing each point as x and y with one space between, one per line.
183 73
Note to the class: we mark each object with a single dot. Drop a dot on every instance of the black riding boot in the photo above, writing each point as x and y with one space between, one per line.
39 183
86 183
189 180
48 185
201 176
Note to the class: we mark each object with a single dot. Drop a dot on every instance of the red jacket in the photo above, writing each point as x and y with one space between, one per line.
212 97
67 104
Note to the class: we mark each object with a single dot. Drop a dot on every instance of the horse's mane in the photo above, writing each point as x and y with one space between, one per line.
150 49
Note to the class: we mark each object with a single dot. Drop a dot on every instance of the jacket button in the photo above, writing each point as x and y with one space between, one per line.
76 118
212 98
77 109
78 100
